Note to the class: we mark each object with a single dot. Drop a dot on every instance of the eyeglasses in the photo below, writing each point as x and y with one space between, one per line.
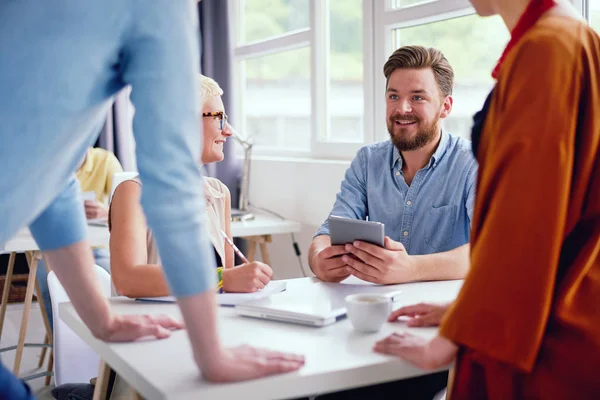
217 114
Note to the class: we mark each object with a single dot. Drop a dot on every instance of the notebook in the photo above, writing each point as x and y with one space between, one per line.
230 299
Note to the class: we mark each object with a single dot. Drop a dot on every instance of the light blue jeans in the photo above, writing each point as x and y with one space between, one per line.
102 258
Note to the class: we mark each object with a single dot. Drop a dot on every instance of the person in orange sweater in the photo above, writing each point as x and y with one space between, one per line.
526 324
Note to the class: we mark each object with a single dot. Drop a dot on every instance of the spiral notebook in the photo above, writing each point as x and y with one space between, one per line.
230 299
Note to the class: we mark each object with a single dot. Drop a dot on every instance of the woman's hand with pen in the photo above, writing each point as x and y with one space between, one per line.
246 278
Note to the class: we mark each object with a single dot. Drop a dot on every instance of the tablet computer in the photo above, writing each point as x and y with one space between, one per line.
347 230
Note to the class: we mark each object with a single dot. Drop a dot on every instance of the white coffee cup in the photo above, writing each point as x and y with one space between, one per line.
368 312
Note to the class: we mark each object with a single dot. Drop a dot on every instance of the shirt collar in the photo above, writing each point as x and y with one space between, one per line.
396 158
435 158
441 150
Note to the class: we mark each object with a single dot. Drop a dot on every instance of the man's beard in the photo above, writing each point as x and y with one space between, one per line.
425 134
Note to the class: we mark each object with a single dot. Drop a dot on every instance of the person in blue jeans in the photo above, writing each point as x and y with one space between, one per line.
63 61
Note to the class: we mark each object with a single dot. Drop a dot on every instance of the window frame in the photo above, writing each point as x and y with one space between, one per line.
316 37
380 20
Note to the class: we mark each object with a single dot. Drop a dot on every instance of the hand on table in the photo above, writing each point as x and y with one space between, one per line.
372 263
127 328
94 209
247 278
246 362
421 352
422 314
329 266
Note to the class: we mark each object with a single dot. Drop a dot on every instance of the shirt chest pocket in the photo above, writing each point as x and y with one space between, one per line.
440 225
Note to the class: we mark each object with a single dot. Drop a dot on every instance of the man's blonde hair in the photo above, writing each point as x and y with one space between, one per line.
208 88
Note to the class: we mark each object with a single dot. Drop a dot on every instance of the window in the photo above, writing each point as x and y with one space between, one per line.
346 61
299 69
594 13
277 99
266 19
308 73
472 45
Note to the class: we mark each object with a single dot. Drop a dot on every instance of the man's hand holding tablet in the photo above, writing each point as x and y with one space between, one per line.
382 265
360 248
327 262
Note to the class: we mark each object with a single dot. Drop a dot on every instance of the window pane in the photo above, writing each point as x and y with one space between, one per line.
263 19
595 14
346 109
472 45
277 101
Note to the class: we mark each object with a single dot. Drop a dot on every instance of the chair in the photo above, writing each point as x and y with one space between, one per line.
74 360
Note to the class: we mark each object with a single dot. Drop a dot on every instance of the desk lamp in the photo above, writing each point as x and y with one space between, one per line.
243 213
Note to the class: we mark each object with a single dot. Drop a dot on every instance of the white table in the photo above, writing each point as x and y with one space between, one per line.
259 230
23 242
337 358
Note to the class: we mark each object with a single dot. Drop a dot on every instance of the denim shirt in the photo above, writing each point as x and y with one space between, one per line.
431 215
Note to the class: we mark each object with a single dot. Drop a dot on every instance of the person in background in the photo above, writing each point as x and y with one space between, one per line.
135 263
95 175
525 323
62 63
420 184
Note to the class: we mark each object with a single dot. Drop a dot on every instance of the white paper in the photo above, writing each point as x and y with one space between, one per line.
98 222
230 299
88 196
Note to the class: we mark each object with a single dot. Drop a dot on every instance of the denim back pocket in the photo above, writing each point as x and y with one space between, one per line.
441 222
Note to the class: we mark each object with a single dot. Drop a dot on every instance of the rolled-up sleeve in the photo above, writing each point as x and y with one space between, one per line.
63 222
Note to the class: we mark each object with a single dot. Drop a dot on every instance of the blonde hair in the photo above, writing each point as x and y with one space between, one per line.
208 88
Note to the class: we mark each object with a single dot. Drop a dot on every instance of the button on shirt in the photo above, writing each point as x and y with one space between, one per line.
431 215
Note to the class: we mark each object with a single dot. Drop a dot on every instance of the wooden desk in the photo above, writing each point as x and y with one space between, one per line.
259 230
23 242
337 358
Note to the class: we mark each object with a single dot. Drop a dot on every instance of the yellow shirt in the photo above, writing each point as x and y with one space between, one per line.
96 173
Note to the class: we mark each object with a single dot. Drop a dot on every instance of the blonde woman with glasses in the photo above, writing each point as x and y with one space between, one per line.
135 264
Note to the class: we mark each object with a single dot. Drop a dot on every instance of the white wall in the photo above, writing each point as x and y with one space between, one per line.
299 189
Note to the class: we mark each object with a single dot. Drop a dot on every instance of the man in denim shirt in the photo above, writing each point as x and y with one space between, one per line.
420 184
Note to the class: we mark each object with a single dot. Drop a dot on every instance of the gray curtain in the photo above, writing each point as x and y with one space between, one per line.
117 135
215 62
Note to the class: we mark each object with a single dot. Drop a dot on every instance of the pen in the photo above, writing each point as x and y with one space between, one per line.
237 251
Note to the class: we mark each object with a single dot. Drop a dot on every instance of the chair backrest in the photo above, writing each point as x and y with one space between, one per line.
74 360
119 177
